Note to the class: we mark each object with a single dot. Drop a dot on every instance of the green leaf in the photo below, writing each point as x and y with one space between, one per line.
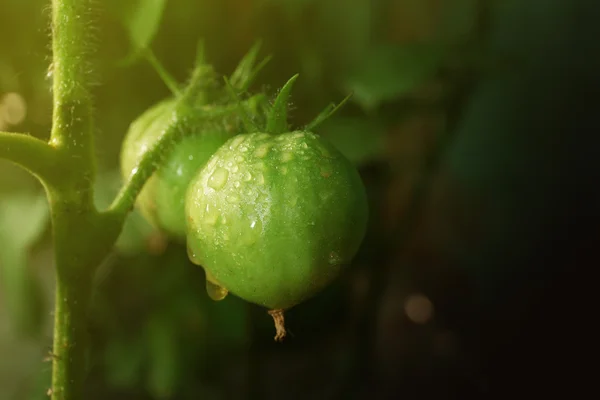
359 139
389 72
23 218
344 31
141 19
458 19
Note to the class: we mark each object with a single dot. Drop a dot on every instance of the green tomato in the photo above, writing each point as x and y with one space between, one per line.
162 200
208 116
274 218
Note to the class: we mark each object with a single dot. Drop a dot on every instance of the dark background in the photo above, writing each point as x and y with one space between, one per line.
474 126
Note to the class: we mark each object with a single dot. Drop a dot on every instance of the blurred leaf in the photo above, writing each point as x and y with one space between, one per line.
292 7
458 18
228 321
124 359
345 31
40 383
23 218
164 357
141 19
359 139
392 71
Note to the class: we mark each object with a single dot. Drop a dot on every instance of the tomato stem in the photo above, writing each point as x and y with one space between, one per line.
33 154
279 319
162 72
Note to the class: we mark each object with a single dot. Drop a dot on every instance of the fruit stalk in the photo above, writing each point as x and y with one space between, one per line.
279 320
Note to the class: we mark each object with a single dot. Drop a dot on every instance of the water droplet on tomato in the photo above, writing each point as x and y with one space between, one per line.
211 215
262 150
247 176
215 291
334 258
236 142
233 199
218 179
192 255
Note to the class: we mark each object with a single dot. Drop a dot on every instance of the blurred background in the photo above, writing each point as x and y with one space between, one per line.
474 126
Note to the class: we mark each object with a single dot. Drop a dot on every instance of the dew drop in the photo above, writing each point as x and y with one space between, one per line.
235 169
263 136
262 150
243 149
283 170
260 178
304 145
239 158
236 142
218 179
334 258
233 199
247 176
211 215
229 164
215 291
236 184
287 156
325 152
192 255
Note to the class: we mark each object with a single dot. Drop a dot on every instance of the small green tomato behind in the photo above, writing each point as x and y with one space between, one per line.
273 218
207 118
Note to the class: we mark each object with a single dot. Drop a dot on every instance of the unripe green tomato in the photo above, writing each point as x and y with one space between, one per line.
207 127
274 218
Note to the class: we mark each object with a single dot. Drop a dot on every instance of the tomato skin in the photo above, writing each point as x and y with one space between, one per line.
274 218
207 127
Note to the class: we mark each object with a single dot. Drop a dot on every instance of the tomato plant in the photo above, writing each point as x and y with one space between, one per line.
207 119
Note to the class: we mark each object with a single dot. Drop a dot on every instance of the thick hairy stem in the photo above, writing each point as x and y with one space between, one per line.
72 114
33 154
70 337
82 237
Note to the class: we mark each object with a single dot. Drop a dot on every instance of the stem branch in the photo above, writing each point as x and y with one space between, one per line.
33 154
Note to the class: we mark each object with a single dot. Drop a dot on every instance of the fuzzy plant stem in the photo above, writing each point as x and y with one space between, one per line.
83 236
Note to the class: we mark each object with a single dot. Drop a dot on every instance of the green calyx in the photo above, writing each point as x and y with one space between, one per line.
277 112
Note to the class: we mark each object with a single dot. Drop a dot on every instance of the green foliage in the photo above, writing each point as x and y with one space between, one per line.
389 72
141 18
359 139
27 214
